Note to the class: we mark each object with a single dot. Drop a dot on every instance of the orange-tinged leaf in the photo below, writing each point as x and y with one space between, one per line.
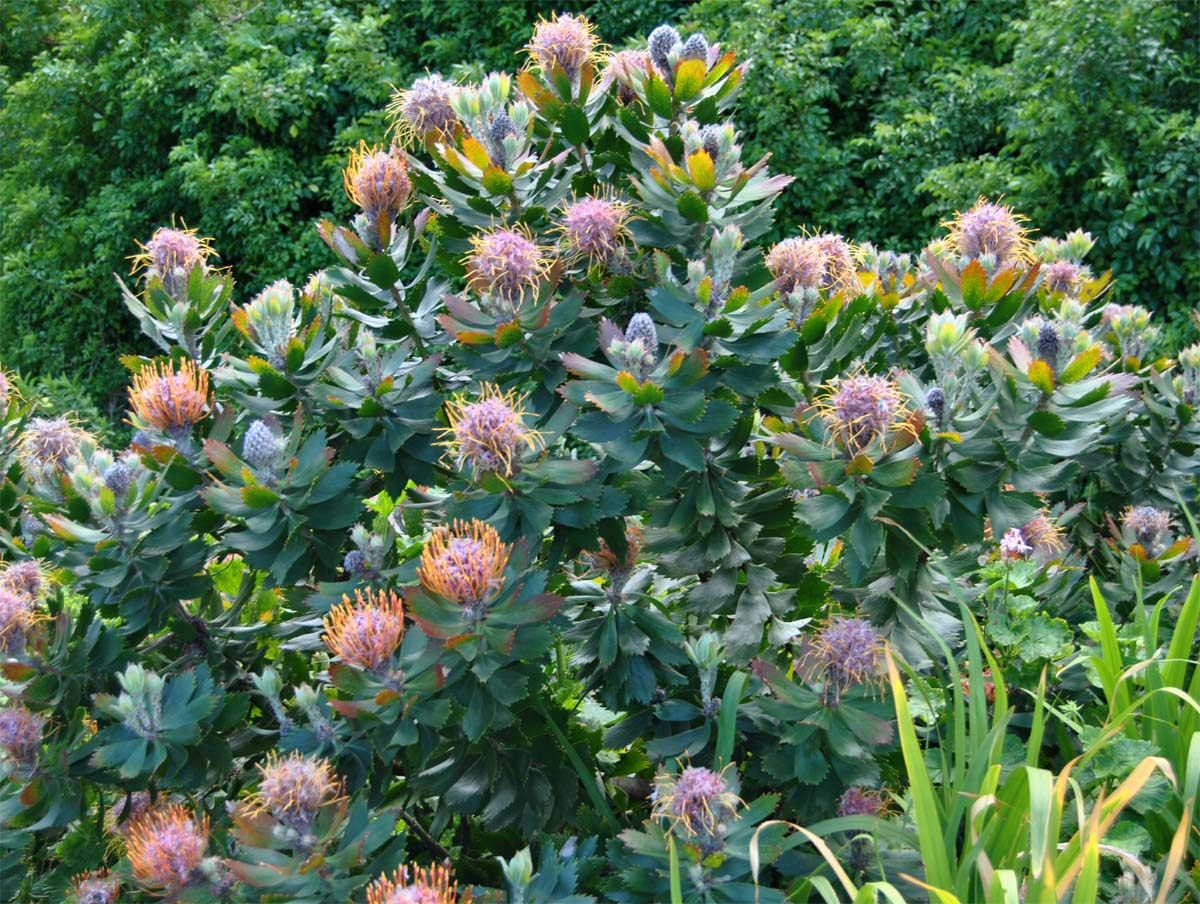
689 79
627 382
974 285
860 464
476 152
1081 365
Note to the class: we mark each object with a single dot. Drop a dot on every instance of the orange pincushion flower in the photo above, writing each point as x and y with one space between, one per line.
166 846
366 632
428 885
464 564
168 399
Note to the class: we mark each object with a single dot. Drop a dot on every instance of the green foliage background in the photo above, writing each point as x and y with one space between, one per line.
235 116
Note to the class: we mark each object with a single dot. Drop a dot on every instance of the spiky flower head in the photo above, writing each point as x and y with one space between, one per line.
935 401
1147 526
990 229
488 434
505 264
260 445
166 846
378 182
1062 276
844 653
171 255
422 885
663 41
96 887
293 789
857 801
47 443
1048 343
6 391
823 262
21 738
367 631
117 477
172 401
424 112
24 578
17 618
464 564
1043 537
567 42
697 803
861 409
594 228
694 48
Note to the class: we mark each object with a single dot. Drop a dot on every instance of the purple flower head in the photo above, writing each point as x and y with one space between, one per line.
1147 526
663 40
24 578
294 788
697 802
505 264
49 442
17 617
566 42
860 410
992 230
21 738
857 801
1013 545
1062 276
425 112
822 262
489 435
594 228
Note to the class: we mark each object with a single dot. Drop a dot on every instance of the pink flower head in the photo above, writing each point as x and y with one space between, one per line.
425 111
566 42
594 228
990 229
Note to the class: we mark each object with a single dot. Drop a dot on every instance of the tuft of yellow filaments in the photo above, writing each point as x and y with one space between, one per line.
566 42
166 846
464 564
1043 535
171 250
294 788
594 228
860 409
421 885
170 400
505 264
366 632
424 111
488 434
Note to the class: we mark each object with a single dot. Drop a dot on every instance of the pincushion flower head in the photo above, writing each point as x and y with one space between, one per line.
96 887
366 632
844 653
24 578
1062 276
990 231
424 112
166 846
20 739
504 265
1148 527
594 228
293 789
861 409
47 443
565 42
422 885
488 434
170 400
171 255
1040 537
378 182
628 68
857 801
17 618
803 262
464 564
698 804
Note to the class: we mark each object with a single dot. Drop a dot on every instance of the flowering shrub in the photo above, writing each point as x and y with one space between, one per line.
560 513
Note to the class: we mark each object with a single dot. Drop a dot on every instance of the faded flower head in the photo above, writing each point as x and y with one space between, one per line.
699 802
294 788
464 564
21 738
378 182
594 228
424 111
505 264
17 618
171 255
171 401
822 262
366 632
96 887
166 846
566 42
857 801
860 410
1147 526
992 230
1062 276
422 885
844 653
24 578
47 443
489 435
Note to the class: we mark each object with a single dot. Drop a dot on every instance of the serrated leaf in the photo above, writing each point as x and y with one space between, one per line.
692 207
574 124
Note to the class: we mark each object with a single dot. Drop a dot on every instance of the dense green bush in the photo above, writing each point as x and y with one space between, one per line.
891 114
116 115
567 513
